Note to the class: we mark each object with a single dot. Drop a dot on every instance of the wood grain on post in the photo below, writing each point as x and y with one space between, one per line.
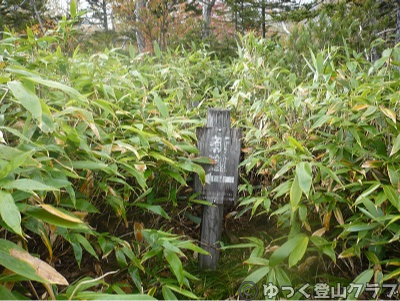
217 141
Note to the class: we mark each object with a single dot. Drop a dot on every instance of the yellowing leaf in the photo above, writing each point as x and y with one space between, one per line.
389 113
347 253
58 213
360 107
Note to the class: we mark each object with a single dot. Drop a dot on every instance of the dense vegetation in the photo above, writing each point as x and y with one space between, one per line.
98 152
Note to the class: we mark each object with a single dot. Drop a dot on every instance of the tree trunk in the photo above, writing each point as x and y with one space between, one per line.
105 15
207 9
141 42
38 16
263 19
242 13
397 39
1 25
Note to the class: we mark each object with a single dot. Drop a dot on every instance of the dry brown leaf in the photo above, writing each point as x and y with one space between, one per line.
43 270
9 284
94 129
141 167
338 216
137 230
307 226
319 232
271 249
88 184
327 220
305 266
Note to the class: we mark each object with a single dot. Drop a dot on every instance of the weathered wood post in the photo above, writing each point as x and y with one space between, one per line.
222 144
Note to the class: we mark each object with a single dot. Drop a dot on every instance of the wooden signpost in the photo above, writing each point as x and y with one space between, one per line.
222 144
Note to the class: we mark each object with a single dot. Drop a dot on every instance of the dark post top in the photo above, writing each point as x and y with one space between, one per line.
217 118
222 144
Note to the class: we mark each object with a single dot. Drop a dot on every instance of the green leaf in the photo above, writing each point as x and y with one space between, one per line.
283 170
54 216
168 294
177 176
281 277
10 213
193 167
354 133
103 296
182 291
121 258
154 208
367 192
320 121
363 278
56 85
297 254
175 265
28 99
76 247
257 261
304 176
160 105
392 196
361 227
295 194
393 175
191 246
157 50
287 248
136 174
391 275
294 143
72 9
86 244
5 294
328 171
15 162
158 156
257 275
28 185
92 165
396 145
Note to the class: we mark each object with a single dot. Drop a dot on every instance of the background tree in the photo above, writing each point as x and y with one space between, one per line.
152 21
17 14
397 40
207 6
99 9
256 14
